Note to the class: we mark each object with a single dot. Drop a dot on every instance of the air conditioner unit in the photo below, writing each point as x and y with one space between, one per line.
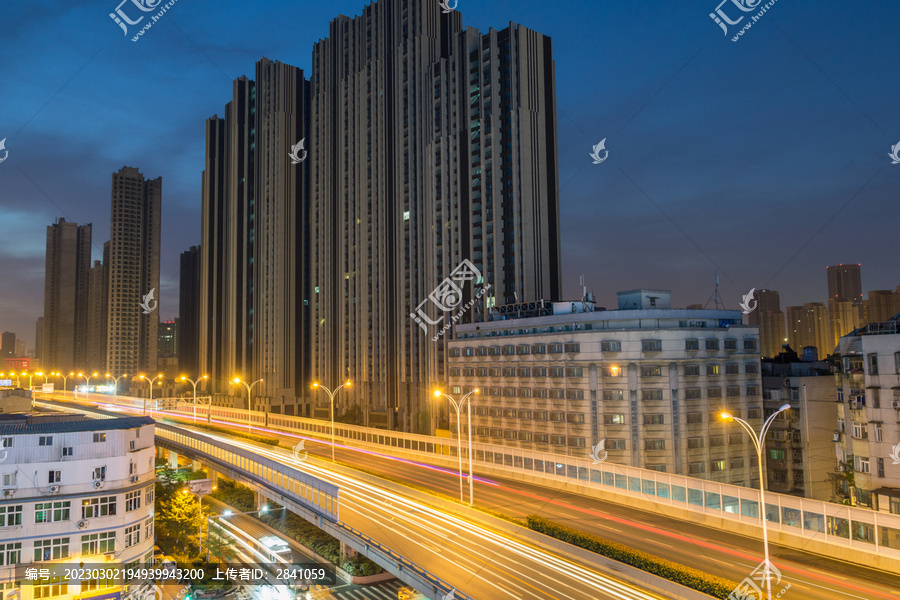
134 479
98 484
54 488
836 436
895 404
82 524
9 492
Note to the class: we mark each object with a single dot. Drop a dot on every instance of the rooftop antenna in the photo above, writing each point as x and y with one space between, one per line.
715 295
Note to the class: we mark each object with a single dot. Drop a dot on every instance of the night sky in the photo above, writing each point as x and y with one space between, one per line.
765 159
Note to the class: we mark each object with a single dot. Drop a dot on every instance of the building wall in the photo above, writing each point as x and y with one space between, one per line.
35 510
881 305
189 313
630 379
869 414
844 282
98 313
133 272
772 334
808 325
843 317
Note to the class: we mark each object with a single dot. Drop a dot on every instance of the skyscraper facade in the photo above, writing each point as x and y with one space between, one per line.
770 320
189 313
253 278
39 338
881 305
844 282
808 326
98 310
66 295
133 273
430 145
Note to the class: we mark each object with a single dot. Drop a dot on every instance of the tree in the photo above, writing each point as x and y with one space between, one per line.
180 518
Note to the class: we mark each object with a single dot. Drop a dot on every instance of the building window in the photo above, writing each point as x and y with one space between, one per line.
736 463
577 442
509 413
654 419
56 585
132 535
692 394
712 345
652 394
861 464
45 440
557 371
691 370
859 431
694 418
524 413
525 436
613 395
98 507
575 394
753 390
717 465
613 371
99 473
10 515
539 349
100 437
712 370
522 372
613 346
716 440
523 349
51 549
575 418
879 467
714 392
750 344
751 368
557 394
68 451
731 344
695 443
10 554
614 419
51 512
541 415
572 348
691 344
557 416
558 440
754 413
776 454
54 476
651 371
654 444
651 345
735 439
574 372
733 391
732 369
696 468
7 442
98 543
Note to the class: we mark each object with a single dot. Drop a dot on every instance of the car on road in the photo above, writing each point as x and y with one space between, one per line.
408 593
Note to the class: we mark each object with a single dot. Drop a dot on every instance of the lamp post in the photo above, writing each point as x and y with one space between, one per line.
41 373
159 376
458 407
65 379
199 495
249 387
331 394
758 442
87 380
116 391
194 383
30 377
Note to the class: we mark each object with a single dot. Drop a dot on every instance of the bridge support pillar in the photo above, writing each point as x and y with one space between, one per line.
195 465
213 476
260 500
173 460
347 550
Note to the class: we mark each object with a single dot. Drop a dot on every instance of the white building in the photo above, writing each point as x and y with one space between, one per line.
869 416
650 381
74 490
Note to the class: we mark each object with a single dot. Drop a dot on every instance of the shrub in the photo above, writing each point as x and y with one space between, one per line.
717 587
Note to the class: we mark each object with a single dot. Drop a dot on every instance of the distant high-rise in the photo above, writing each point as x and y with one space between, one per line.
189 313
133 272
430 145
843 317
881 305
7 344
844 282
807 325
66 295
98 311
168 339
39 338
767 300
254 284
770 320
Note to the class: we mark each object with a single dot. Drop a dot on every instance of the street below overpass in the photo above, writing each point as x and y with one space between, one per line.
714 551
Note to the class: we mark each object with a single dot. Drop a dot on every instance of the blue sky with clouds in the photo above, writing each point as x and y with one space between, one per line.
764 159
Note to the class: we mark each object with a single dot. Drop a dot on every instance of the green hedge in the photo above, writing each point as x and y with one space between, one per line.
718 587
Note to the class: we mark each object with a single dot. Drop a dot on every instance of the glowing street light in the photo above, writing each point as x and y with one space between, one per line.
194 383
458 407
249 387
760 451
144 377
317 386
116 391
65 379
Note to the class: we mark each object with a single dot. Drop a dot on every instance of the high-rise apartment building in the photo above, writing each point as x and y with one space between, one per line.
39 338
770 320
844 282
189 313
651 382
843 317
7 344
766 301
98 311
807 325
254 292
66 296
168 339
869 417
881 305
133 273
430 145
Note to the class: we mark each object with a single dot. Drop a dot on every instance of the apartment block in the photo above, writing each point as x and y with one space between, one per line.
651 382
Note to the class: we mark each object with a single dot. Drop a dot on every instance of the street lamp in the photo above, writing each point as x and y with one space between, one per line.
151 388
758 442
41 373
331 394
249 387
116 391
458 407
30 377
199 494
194 383
65 379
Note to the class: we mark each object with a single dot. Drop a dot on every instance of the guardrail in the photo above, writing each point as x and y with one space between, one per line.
875 533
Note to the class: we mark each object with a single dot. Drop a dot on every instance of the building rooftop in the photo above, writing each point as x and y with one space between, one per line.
22 424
